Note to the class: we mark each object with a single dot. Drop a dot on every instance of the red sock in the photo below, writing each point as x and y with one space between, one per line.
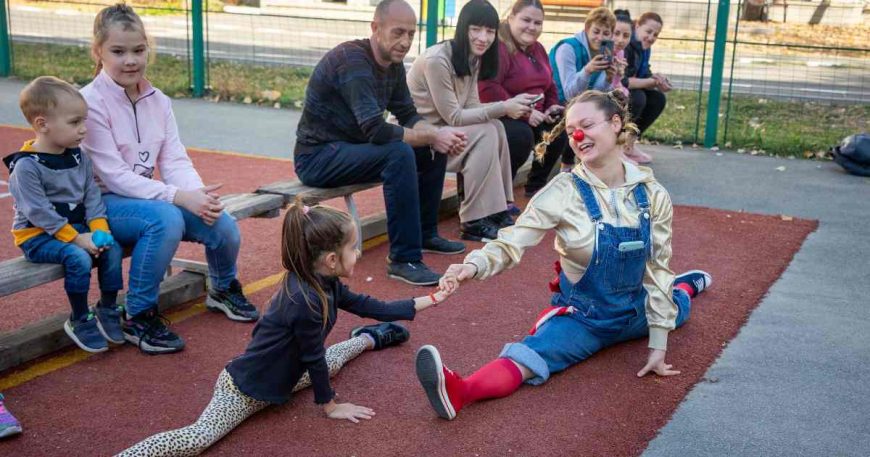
687 287
496 379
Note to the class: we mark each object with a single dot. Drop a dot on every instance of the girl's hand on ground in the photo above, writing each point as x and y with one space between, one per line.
347 411
656 364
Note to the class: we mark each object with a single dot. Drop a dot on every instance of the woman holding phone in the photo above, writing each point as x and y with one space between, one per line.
443 83
578 63
523 67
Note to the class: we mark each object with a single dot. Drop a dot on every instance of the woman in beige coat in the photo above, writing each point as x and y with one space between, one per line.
443 84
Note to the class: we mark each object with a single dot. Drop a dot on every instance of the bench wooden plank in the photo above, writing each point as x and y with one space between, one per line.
46 336
19 274
243 206
311 195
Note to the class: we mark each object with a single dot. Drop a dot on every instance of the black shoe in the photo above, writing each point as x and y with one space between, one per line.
438 245
149 332
385 334
502 219
233 303
483 230
414 273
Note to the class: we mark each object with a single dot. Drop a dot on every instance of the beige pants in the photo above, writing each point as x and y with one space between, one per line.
486 170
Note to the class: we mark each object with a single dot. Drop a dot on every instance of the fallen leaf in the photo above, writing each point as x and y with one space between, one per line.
780 168
247 100
741 151
714 148
270 95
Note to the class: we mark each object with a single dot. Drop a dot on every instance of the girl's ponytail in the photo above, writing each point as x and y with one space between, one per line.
307 234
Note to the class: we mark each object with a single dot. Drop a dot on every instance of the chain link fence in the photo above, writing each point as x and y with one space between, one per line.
794 75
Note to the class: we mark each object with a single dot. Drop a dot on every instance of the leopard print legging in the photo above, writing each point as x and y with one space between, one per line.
228 408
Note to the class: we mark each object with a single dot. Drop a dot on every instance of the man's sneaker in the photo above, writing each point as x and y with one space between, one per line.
9 425
443 387
483 230
233 303
438 245
109 322
414 273
385 334
85 334
148 331
502 219
697 280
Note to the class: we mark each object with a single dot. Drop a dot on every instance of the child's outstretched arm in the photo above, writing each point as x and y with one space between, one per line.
421 303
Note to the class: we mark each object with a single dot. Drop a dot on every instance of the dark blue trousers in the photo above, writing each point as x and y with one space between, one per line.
413 182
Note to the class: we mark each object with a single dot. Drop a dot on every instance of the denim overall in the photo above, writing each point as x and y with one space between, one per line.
608 302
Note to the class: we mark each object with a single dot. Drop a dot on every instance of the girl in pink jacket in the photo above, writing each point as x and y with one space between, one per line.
132 135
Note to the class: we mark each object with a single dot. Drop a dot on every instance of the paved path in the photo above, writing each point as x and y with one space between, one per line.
795 380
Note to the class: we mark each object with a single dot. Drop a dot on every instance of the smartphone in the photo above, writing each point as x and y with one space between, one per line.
606 50
627 246
535 100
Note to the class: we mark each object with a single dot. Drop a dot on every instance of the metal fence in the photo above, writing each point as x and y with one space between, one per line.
717 59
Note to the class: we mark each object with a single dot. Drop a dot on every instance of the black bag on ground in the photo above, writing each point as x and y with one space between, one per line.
853 154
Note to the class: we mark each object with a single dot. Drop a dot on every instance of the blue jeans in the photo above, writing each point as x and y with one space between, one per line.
567 340
413 182
77 263
153 229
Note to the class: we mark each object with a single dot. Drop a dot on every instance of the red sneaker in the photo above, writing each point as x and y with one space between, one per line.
443 387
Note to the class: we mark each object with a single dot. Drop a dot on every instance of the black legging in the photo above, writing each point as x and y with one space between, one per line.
522 138
646 106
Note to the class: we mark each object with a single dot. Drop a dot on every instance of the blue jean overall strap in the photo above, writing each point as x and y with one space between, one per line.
611 290
608 298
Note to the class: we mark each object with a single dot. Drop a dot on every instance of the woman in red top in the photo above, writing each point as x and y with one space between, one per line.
524 67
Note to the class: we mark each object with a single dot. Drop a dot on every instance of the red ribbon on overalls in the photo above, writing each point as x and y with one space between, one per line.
554 284
552 311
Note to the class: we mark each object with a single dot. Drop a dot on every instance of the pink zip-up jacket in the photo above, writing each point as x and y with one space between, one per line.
129 140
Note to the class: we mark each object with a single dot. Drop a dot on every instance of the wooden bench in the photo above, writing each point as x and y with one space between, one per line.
292 188
47 335
368 227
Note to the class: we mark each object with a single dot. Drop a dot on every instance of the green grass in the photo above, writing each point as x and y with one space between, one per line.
766 126
799 129
229 81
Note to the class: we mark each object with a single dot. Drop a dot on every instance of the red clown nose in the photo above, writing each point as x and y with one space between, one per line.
578 136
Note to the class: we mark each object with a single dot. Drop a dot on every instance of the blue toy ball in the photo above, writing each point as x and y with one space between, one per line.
102 239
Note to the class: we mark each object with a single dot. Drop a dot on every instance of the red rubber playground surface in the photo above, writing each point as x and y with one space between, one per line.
76 405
